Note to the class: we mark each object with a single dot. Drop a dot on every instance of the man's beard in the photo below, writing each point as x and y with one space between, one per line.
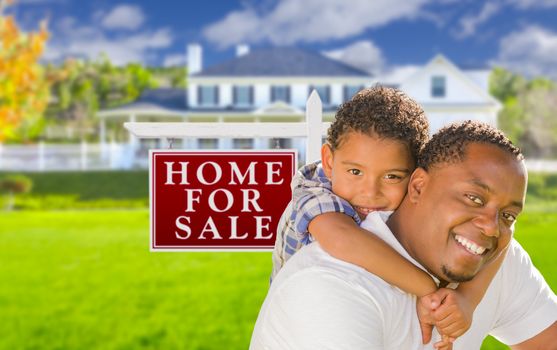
451 276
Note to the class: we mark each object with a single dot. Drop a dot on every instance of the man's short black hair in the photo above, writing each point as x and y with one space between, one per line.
448 145
385 112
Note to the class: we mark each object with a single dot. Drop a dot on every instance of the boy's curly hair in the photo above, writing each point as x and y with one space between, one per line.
385 112
448 145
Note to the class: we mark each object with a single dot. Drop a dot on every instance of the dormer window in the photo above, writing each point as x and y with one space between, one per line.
280 93
243 95
438 86
324 93
208 95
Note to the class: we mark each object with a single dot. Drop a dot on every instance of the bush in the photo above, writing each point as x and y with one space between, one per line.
15 184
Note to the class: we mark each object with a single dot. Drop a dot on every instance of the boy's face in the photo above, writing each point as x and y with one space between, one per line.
371 173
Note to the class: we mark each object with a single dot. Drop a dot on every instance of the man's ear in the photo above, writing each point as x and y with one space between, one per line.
417 184
327 160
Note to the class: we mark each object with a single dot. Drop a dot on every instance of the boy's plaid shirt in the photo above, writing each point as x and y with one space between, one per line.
311 196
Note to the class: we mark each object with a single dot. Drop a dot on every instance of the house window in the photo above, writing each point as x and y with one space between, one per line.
351 90
438 86
280 93
280 143
208 143
324 93
208 95
243 95
242 143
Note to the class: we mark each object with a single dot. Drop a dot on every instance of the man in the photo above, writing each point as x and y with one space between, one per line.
457 217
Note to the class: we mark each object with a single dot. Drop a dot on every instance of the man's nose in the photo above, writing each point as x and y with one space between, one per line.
488 222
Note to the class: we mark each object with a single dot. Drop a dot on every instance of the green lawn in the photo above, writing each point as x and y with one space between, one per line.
86 280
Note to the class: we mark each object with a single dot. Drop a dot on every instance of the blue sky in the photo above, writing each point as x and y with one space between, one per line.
378 35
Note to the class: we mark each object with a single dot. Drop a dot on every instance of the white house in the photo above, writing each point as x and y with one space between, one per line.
450 94
273 84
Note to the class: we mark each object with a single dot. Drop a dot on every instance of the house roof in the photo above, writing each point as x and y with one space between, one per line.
282 61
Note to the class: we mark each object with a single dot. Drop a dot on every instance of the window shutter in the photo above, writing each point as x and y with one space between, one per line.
216 94
235 95
288 94
251 95
199 92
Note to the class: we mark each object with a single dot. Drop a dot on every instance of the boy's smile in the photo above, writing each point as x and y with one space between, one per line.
370 172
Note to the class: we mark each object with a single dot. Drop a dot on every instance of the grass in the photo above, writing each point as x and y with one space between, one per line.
84 190
86 280
91 185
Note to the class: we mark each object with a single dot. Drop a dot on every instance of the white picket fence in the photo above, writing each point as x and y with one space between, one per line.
84 156
51 157
64 157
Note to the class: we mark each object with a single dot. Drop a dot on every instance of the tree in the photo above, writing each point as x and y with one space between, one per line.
81 88
23 86
529 110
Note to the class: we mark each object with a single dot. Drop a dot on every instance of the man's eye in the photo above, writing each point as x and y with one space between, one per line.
509 217
356 172
475 199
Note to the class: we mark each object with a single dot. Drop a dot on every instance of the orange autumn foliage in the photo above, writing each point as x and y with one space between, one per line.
24 90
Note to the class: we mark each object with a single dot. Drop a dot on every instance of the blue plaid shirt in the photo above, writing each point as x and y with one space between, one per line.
312 195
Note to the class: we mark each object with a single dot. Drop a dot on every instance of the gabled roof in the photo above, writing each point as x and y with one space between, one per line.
282 61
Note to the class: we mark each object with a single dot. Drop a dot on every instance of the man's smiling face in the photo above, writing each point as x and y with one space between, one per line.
468 210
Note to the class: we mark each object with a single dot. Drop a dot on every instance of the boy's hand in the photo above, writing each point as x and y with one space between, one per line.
445 344
447 310
453 316
425 306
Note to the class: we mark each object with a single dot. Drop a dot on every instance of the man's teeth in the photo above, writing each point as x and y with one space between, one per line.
469 245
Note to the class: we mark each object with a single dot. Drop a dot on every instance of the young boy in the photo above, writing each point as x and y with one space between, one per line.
371 151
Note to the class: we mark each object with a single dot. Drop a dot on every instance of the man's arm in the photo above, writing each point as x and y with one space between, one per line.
546 340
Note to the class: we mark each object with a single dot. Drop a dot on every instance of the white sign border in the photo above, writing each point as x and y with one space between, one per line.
200 249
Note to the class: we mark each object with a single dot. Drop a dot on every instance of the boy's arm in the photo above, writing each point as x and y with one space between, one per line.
341 237
334 223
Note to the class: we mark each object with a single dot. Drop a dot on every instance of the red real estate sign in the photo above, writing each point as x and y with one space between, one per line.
218 200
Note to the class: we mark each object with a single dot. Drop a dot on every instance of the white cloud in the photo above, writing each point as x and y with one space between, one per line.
39 1
124 17
174 60
526 4
294 21
73 39
469 24
362 54
398 74
530 51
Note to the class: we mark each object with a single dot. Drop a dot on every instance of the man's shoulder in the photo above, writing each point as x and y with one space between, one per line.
312 266
335 303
